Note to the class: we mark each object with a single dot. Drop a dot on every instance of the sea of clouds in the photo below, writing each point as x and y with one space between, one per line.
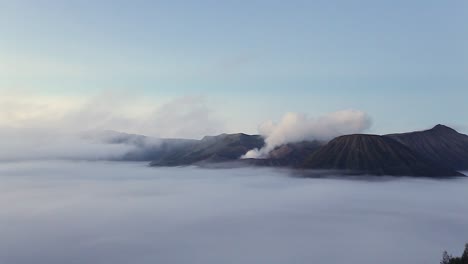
56 212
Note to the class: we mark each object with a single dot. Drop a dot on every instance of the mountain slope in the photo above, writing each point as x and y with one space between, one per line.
224 147
440 144
372 154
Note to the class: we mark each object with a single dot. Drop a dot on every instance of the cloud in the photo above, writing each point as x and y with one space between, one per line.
120 213
47 127
295 127
21 144
187 116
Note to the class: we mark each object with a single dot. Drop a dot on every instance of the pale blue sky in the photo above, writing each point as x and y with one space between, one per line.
405 63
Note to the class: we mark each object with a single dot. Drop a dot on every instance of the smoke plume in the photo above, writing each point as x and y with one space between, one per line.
295 127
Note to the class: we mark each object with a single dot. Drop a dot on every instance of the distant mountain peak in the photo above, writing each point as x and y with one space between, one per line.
440 127
224 136
440 144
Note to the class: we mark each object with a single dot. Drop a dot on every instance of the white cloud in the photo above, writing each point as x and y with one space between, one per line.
188 117
96 212
295 127
39 127
185 117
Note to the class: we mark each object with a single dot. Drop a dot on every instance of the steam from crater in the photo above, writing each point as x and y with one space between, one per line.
295 127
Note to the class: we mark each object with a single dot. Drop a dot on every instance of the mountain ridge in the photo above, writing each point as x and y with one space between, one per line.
220 148
439 151
440 144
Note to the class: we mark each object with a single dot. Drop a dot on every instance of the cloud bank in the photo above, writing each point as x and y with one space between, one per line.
47 127
120 213
187 116
295 127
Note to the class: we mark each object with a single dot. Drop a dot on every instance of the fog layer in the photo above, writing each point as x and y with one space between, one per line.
120 213
39 128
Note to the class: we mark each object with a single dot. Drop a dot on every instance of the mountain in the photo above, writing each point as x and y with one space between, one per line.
141 148
437 152
114 137
377 155
440 144
224 147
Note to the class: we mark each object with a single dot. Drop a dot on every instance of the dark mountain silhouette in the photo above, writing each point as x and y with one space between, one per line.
440 144
221 148
439 151
377 155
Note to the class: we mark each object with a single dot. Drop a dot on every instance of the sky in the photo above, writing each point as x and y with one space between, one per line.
188 68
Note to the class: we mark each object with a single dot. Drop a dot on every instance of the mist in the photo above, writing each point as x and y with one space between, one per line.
177 117
37 128
295 127
21 144
120 212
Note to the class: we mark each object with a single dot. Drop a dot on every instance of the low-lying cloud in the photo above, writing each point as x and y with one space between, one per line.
21 144
295 127
120 213
45 127
186 117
